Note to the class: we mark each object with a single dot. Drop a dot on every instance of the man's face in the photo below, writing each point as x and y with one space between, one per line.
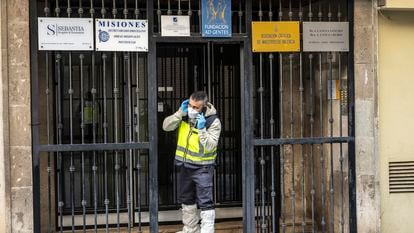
196 105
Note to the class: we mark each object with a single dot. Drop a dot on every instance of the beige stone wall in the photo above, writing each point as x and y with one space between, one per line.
398 4
15 134
366 113
396 109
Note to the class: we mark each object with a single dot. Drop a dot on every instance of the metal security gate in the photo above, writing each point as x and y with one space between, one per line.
91 134
303 120
287 152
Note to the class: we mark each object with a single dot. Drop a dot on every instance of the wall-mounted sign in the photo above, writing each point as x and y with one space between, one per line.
216 18
175 25
325 36
276 36
121 35
62 34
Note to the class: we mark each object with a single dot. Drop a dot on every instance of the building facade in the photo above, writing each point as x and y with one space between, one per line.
312 141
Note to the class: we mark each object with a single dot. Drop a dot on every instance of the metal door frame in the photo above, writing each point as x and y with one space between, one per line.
209 47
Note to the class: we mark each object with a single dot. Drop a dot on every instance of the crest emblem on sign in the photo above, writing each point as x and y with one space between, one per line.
103 36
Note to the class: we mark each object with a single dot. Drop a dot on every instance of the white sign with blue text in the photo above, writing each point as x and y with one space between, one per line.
216 18
62 34
121 35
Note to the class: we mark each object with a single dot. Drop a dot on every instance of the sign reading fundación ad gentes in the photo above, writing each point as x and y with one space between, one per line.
121 35
276 36
216 18
62 34
175 25
325 36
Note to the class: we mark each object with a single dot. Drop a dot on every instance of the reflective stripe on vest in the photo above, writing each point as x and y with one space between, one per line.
193 152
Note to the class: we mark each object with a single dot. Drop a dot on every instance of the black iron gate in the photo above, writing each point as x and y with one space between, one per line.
303 121
287 150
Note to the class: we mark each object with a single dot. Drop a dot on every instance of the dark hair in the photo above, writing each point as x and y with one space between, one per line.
199 95
88 95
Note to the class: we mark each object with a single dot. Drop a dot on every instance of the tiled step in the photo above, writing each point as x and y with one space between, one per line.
221 227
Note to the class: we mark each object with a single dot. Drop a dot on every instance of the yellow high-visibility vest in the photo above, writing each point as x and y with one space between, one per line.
189 148
90 113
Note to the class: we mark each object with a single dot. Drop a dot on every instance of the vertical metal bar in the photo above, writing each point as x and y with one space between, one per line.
209 69
262 159
302 126
292 136
35 116
220 81
129 185
115 93
240 14
128 124
130 139
272 134
281 125
179 12
199 17
351 123
311 122
321 158
152 121
331 121
94 133
72 165
159 15
103 10
59 127
49 141
247 129
82 104
169 11
105 127
46 11
272 152
105 139
190 12
116 138
57 8
138 162
290 14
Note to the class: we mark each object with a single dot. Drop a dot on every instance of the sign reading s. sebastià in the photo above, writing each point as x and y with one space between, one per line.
62 34
121 35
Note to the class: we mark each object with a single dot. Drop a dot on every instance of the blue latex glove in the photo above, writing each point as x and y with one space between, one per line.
184 106
201 121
